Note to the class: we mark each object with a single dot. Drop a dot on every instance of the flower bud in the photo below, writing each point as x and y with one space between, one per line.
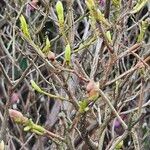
90 86
102 2
117 123
33 4
14 98
93 90
51 56
17 116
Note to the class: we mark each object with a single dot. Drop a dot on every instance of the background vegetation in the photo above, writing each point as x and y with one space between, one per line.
74 74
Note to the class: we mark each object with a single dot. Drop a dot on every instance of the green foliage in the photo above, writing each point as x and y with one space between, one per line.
83 106
31 126
36 87
60 12
90 4
47 47
86 62
139 5
96 14
23 63
68 54
143 27
119 146
24 27
108 35
116 3
100 17
27 128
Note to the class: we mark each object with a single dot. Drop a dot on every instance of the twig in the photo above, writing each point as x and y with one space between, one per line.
5 74
112 108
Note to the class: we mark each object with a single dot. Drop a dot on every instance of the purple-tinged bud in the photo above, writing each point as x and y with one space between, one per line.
117 123
14 98
51 56
102 3
17 116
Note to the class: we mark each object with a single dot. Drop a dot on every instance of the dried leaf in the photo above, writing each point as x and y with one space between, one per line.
2 145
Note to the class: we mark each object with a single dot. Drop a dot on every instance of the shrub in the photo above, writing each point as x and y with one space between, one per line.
74 74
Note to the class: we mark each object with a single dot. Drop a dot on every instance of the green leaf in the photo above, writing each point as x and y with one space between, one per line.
83 106
60 12
90 4
23 63
100 17
116 3
68 54
143 27
37 132
27 128
108 35
95 13
38 128
140 4
36 87
24 26
119 146
46 49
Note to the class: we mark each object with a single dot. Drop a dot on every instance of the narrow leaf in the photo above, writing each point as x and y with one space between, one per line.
24 26
140 4
101 18
67 54
143 27
36 87
27 128
83 106
116 3
108 35
37 132
90 4
47 46
60 12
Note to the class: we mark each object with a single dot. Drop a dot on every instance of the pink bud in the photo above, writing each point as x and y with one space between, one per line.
17 116
32 5
51 56
90 86
14 98
117 123
102 2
